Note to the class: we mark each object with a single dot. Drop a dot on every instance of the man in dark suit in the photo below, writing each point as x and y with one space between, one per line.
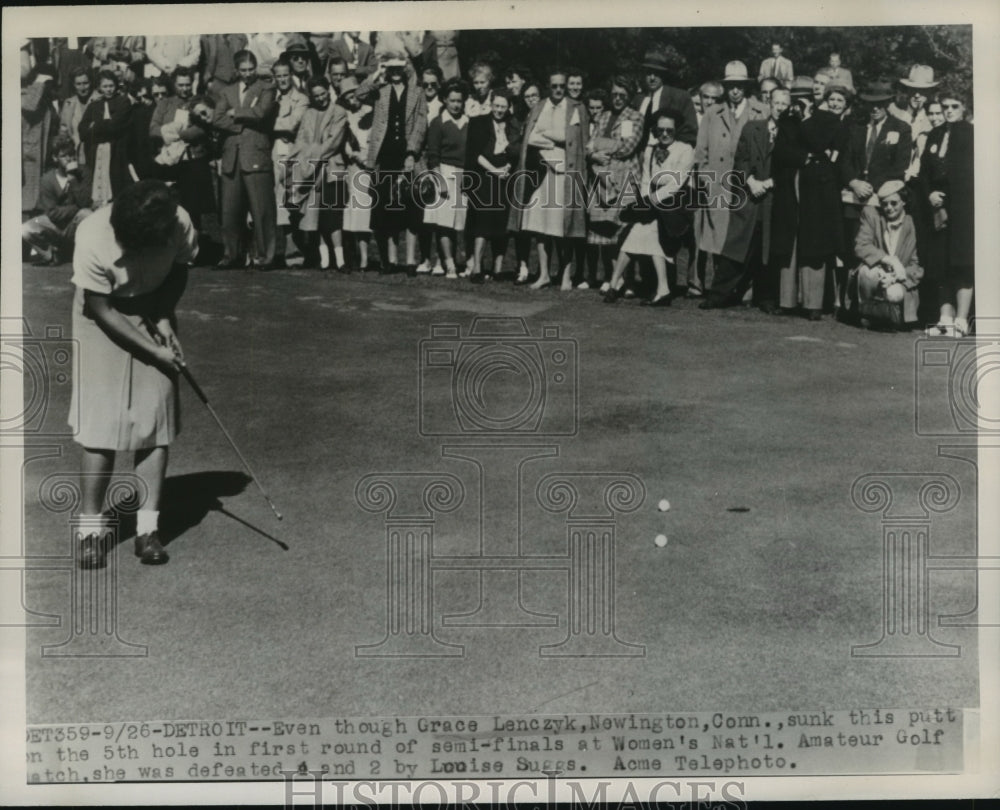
244 116
659 65
875 152
744 258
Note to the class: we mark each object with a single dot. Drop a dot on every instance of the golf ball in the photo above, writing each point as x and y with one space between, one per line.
661 540
664 505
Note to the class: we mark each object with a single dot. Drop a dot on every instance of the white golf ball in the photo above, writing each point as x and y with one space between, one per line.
661 540
664 505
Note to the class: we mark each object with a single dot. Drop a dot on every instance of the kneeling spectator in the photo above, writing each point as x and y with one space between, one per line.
64 199
890 272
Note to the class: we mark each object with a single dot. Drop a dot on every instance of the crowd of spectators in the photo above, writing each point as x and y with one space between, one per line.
799 192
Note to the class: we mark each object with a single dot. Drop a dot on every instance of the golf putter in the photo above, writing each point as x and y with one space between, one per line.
201 395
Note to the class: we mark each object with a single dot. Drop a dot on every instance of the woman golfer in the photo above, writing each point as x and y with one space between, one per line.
130 269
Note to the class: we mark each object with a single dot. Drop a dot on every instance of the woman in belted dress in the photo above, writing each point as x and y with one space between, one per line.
129 268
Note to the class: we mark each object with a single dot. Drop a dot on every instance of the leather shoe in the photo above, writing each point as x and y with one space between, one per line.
612 296
91 553
149 550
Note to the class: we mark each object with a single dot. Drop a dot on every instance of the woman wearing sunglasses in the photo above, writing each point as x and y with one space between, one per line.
666 167
948 180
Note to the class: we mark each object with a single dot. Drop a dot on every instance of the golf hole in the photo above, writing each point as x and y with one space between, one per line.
738 509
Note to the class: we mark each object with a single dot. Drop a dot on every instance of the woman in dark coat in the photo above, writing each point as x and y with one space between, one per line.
820 237
948 176
104 131
788 156
492 149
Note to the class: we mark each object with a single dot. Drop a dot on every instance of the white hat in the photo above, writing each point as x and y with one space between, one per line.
736 71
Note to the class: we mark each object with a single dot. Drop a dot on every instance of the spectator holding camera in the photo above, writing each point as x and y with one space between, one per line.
64 200
183 136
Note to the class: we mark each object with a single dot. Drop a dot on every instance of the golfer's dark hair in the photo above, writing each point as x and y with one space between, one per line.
337 61
244 56
77 72
183 71
143 215
503 92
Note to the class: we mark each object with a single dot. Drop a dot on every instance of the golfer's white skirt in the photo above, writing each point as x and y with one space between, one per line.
448 213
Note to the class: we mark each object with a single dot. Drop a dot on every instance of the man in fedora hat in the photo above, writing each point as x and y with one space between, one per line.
915 88
875 153
715 152
661 64
776 67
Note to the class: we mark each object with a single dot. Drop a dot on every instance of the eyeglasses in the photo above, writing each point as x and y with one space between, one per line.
892 203
429 85
532 95
664 130
337 75
951 106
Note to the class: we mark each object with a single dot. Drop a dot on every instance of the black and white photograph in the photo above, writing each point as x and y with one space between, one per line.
588 403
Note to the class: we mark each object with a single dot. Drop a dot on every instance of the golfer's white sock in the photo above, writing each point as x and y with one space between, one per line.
338 253
146 521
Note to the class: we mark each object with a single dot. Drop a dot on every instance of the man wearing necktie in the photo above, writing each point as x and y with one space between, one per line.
876 152
777 67
744 259
244 116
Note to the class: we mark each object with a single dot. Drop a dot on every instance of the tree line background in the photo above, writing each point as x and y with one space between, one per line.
870 52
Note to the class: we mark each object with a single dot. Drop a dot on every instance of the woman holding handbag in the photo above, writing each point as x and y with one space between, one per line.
666 167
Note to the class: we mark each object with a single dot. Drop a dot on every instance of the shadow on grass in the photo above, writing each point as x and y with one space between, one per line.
187 499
